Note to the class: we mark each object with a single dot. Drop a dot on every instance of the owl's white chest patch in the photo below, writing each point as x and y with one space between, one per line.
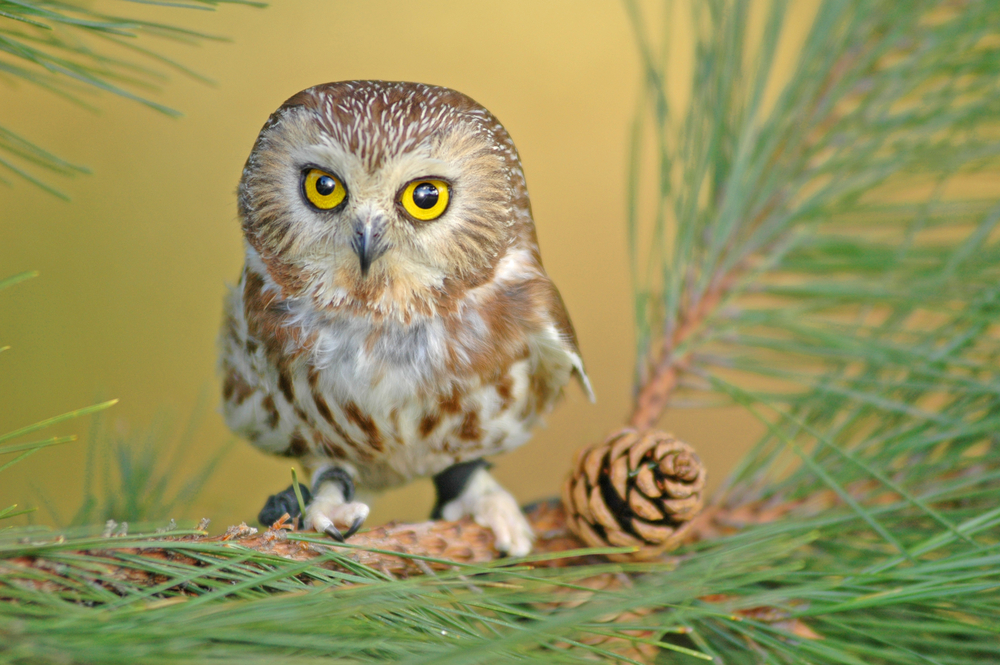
398 407
378 366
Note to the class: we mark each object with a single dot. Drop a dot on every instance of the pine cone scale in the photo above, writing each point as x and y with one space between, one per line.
620 472
646 483
637 451
644 508
592 463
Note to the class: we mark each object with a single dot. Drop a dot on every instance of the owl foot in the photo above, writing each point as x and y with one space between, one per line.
324 517
283 502
333 505
469 489
335 533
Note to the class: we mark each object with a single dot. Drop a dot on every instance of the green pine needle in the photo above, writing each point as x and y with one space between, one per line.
298 494
63 48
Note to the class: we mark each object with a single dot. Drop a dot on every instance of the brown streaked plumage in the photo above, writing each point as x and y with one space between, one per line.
367 340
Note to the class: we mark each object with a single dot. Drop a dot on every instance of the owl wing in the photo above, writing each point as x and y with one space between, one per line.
257 402
556 340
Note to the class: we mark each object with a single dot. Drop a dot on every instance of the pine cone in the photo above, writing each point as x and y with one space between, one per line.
638 489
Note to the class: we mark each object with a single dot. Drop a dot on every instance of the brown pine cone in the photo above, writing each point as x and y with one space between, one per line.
638 489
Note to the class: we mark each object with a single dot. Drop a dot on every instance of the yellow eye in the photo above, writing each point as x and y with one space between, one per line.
323 190
425 199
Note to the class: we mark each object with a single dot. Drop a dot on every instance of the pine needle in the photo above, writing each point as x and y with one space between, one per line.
64 48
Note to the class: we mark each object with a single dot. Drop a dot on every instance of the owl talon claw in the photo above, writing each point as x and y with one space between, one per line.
358 521
335 533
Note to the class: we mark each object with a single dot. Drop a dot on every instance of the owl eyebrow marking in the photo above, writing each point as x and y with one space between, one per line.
326 169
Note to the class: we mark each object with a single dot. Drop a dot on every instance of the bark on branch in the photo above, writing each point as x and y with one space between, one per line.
459 542
655 393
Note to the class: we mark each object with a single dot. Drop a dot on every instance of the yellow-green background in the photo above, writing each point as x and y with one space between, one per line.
134 268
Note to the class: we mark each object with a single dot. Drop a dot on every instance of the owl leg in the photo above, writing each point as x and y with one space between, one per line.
333 503
469 489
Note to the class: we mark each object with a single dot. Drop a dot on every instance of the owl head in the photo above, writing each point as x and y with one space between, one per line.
383 195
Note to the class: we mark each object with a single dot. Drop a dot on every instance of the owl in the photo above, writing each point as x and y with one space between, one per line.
393 319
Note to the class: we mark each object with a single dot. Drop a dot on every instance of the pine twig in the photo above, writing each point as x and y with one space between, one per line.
399 550
655 393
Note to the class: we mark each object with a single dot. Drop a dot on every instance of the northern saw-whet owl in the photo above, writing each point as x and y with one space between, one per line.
393 319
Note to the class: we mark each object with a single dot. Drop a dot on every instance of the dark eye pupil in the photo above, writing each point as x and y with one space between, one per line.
325 185
425 195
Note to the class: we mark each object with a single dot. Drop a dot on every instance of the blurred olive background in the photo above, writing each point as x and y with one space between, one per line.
134 268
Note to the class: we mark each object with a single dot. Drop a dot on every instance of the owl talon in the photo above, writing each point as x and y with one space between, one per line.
281 503
358 521
333 506
335 533
493 507
325 518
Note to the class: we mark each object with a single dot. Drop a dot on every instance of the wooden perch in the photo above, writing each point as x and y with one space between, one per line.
463 541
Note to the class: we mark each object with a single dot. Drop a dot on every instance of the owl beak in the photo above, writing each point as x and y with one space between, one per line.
368 241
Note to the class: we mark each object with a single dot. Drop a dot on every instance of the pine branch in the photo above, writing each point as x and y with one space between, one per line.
185 563
70 50
396 550
658 389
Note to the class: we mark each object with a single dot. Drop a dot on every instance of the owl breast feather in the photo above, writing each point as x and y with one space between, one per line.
395 400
